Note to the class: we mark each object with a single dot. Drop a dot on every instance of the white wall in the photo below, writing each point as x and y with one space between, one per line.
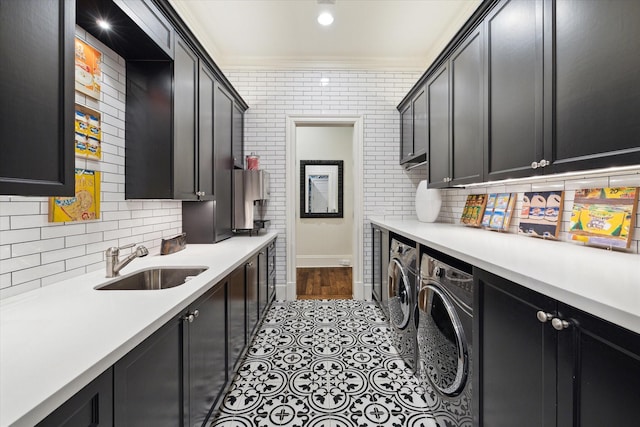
35 253
273 94
324 242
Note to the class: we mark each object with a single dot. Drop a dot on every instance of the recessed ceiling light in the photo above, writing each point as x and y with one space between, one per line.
103 24
325 18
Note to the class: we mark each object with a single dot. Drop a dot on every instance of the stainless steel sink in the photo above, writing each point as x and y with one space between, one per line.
152 279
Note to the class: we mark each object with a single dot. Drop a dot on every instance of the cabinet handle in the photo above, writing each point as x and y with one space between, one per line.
261 252
559 324
543 163
190 317
196 313
543 316
250 264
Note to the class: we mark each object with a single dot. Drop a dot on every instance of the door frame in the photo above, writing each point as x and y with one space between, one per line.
288 291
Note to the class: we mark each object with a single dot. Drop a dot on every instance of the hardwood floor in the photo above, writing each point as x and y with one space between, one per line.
324 283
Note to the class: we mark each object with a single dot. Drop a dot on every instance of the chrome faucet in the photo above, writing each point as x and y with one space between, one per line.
114 265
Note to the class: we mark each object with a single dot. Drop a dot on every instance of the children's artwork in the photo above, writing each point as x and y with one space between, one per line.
88 135
541 214
497 213
87 69
85 205
604 216
473 209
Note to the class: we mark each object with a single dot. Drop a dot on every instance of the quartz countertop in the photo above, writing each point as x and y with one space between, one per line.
57 339
601 282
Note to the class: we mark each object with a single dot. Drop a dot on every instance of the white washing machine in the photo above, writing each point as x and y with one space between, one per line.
401 298
445 322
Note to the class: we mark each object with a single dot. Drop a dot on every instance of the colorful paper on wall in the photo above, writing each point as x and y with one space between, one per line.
541 214
84 206
87 69
88 133
604 216
497 213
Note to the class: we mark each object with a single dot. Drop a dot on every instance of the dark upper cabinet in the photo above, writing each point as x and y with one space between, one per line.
252 279
467 110
592 95
148 381
542 363
514 76
37 86
223 163
206 89
598 372
147 16
185 123
237 136
236 318
207 340
92 406
438 127
413 129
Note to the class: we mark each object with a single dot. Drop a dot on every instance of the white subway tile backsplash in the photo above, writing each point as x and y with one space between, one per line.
63 230
632 180
62 254
34 273
17 236
69 274
83 239
36 246
5 252
21 208
81 261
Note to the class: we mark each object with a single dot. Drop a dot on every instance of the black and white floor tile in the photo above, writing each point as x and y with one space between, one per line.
324 364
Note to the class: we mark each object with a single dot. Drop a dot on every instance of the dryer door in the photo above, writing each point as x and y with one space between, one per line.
399 292
441 341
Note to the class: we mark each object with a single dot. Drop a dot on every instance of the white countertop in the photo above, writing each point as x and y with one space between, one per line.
57 339
603 283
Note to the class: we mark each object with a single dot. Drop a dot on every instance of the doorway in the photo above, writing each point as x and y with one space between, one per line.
324 255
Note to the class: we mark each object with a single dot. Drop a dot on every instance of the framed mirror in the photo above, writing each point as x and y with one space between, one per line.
321 188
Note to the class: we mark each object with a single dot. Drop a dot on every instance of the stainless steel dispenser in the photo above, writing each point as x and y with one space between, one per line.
250 193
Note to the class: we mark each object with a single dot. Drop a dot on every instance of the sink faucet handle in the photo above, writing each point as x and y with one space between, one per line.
114 250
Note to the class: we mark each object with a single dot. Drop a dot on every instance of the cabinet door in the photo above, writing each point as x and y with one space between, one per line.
185 95
467 110
263 283
223 163
236 317
147 16
438 124
251 271
148 381
514 76
594 83
406 133
514 357
92 406
237 136
271 268
420 129
207 353
37 87
206 88
598 372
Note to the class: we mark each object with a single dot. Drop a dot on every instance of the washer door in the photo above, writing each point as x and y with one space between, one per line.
399 291
444 354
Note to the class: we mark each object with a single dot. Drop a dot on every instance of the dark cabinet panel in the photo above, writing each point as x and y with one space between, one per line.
237 136
595 47
598 372
251 272
148 381
146 15
271 272
438 125
236 317
206 89
406 133
263 282
207 353
515 355
223 163
420 130
514 70
185 108
90 407
37 87
467 110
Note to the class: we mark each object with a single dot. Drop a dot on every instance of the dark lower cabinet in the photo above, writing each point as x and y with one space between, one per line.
90 407
37 87
271 272
236 318
263 282
149 387
542 363
252 282
207 338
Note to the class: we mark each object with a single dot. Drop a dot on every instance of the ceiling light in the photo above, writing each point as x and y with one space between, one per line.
325 18
103 24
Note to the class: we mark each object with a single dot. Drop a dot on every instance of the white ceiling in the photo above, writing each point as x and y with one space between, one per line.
371 34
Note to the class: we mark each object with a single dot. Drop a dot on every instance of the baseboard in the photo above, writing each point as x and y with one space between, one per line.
310 261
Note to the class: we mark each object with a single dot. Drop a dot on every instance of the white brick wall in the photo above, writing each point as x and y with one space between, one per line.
272 95
34 252
453 200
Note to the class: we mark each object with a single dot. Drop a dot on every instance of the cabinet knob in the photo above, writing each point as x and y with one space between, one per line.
542 163
196 313
250 264
559 324
543 316
534 165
